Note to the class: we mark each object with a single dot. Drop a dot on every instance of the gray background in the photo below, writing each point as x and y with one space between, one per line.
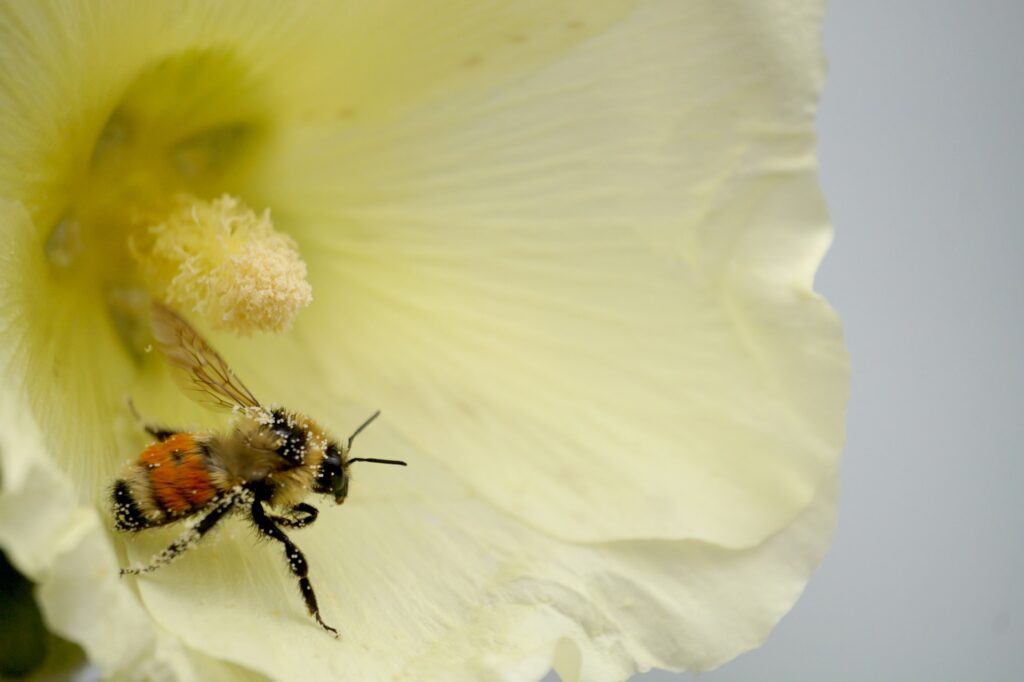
922 155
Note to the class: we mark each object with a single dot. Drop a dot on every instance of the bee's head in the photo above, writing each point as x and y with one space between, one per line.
332 478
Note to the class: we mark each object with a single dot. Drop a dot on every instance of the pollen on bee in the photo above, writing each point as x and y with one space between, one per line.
227 263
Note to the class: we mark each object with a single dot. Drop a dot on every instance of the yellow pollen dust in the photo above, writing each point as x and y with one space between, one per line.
225 262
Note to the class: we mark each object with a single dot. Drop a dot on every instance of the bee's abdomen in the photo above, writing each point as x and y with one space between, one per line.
170 480
178 474
128 515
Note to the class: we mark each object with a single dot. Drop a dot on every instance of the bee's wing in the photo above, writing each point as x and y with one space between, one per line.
197 365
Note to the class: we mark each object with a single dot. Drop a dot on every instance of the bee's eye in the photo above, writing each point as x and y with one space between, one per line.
331 476
341 488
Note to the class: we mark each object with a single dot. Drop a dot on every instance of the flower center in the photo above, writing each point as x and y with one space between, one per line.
157 206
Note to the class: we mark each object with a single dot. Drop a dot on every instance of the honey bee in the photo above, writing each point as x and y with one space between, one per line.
262 467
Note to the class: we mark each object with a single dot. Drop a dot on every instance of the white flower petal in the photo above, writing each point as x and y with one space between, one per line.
603 268
426 581
59 542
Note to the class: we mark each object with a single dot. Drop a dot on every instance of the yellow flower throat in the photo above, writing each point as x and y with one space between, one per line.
155 209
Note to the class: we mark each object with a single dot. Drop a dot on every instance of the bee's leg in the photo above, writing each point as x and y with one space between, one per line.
188 539
296 561
158 432
295 521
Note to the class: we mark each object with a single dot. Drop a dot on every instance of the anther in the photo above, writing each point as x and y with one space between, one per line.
224 261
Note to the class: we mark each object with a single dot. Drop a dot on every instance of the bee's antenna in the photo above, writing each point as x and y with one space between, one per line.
370 459
378 461
360 429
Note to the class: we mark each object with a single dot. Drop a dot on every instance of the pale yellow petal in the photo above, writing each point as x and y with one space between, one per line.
426 581
589 292
62 546
573 268
275 66
66 66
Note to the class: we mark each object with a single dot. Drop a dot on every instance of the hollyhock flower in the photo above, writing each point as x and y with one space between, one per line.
566 246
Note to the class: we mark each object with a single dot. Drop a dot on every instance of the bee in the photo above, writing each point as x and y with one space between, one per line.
262 468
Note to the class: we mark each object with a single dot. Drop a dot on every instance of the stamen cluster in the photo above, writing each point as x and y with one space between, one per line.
225 262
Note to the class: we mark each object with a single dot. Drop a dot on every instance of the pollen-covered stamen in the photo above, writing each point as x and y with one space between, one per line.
226 262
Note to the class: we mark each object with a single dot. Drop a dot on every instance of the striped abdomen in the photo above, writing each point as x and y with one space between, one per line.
172 479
